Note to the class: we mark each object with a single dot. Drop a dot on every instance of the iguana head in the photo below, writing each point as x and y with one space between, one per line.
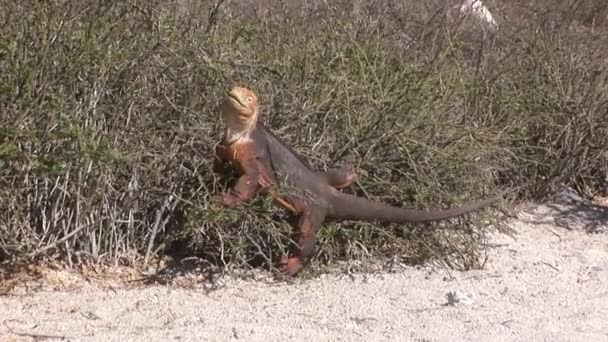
239 112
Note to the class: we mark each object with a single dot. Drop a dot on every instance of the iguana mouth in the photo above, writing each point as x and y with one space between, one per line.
236 98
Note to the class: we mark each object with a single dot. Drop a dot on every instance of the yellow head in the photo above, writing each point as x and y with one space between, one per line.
239 109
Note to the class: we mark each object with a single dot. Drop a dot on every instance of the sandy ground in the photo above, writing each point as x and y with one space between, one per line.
548 282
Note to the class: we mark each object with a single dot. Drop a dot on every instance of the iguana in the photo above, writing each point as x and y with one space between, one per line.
263 161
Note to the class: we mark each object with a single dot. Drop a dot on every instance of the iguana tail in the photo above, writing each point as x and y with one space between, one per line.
348 207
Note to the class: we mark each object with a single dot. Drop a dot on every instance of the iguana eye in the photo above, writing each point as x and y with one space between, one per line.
249 99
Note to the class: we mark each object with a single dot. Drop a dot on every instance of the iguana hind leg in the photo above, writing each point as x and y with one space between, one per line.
340 178
309 221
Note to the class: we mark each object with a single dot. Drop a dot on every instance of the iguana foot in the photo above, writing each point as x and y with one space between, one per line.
291 266
230 200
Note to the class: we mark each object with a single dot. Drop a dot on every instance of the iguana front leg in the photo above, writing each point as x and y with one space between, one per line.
244 159
243 190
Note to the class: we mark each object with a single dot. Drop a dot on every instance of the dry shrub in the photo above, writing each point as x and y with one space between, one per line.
108 119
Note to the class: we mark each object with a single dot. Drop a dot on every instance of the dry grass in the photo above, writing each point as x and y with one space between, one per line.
108 119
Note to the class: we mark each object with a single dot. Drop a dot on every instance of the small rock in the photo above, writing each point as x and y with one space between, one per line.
459 297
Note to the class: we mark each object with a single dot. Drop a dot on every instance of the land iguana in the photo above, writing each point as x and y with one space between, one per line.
263 161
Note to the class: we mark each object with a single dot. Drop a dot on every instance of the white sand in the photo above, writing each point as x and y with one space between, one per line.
547 283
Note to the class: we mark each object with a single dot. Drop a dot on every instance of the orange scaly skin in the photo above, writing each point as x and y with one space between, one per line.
262 160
